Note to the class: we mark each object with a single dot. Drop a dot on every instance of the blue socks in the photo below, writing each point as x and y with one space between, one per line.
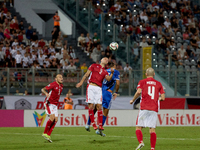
89 121
104 120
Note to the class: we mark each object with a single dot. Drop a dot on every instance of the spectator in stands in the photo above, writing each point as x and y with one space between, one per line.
84 68
81 41
182 53
21 25
72 52
54 33
77 63
122 35
124 20
190 53
175 59
87 38
59 55
108 52
193 41
34 36
56 20
154 30
98 10
58 45
29 33
7 33
117 6
18 60
143 43
135 52
71 69
126 70
64 60
96 38
25 93
167 23
41 43
25 61
96 53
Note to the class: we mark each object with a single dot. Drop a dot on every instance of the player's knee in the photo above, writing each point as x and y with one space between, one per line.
56 119
138 128
98 107
151 130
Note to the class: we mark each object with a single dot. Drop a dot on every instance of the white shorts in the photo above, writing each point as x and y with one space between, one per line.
51 109
94 94
146 118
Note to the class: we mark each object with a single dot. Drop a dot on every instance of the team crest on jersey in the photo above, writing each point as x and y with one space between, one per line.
56 87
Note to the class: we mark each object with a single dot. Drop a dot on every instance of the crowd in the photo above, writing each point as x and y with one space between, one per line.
172 26
21 47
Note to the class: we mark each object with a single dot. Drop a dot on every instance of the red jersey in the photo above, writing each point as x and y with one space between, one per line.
150 94
98 73
54 94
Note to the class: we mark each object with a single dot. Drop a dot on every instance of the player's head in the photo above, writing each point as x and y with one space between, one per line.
111 65
59 78
150 72
104 60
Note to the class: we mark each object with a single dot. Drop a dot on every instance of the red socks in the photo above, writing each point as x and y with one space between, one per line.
52 127
91 114
139 136
100 118
153 140
48 125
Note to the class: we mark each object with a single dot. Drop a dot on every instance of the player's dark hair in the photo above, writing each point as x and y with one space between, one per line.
111 64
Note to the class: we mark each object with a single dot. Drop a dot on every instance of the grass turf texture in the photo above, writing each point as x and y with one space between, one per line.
117 138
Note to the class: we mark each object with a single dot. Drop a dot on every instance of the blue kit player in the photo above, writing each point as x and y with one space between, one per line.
107 89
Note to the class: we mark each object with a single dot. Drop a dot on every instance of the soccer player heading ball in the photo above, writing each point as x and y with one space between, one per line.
97 74
52 97
147 117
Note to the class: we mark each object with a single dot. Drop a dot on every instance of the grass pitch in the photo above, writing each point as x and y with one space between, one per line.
117 138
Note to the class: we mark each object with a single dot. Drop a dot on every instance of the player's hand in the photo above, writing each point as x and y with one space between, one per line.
131 101
160 99
78 85
47 95
112 70
114 96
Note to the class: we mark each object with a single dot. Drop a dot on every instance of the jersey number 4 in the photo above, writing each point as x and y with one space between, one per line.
151 91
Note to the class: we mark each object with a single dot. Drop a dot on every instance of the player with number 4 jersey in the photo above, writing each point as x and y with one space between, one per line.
150 89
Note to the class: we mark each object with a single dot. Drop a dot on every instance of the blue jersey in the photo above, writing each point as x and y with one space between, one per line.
111 84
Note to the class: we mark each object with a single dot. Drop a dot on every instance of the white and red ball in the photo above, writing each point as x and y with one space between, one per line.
114 46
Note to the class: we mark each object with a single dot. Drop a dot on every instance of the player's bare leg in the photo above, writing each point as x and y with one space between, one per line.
91 115
139 135
153 138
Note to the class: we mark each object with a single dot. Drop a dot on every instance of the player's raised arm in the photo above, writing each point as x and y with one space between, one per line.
83 79
108 78
137 94
116 89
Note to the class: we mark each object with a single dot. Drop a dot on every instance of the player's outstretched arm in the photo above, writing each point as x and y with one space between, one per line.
116 89
43 90
108 78
83 79
162 97
137 94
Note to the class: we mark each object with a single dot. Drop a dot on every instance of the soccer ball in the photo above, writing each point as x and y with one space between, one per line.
114 46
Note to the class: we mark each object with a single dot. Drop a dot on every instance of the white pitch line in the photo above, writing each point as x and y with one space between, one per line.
178 139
